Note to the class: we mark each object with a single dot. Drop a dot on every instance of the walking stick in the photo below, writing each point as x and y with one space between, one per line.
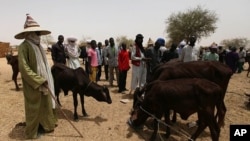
64 113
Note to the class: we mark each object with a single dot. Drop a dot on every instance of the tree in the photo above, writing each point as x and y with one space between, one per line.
199 22
47 40
236 42
124 39
83 41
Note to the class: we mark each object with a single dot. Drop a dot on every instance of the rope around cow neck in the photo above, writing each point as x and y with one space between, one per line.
87 86
180 131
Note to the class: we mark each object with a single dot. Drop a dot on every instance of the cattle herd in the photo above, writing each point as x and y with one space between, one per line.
185 88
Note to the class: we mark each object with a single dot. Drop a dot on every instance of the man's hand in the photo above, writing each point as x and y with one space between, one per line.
146 59
45 84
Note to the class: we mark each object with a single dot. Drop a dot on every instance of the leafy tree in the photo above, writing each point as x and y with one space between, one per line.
83 41
236 42
199 22
124 39
47 40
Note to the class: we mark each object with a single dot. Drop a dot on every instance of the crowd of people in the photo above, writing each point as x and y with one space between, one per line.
110 57
38 86
234 57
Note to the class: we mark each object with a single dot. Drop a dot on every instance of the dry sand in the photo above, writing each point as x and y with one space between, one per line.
108 122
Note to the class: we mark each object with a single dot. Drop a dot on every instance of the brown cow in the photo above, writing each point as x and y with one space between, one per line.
77 81
210 70
13 61
186 97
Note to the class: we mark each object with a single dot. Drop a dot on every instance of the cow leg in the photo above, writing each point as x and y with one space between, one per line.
167 121
82 103
174 117
75 106
213 127
156 126
201 125
210 120
57 96
153 136
221 112
14 78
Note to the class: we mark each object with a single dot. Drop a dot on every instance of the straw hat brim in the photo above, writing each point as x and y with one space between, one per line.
42 31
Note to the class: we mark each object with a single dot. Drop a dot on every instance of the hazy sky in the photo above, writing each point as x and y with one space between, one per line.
101 19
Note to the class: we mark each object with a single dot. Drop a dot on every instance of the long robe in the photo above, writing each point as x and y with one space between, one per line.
38 107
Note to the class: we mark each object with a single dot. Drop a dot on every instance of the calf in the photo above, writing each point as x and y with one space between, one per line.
210 70
13 61
186 97
77 81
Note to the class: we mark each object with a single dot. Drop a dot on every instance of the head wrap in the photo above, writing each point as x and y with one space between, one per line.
161 41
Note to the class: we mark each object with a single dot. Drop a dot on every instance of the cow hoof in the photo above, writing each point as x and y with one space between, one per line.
76 120
85 115
167 134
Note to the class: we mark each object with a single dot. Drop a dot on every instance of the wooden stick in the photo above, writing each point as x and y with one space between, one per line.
64 113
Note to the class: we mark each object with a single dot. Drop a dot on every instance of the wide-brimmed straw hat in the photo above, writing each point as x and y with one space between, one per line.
31 25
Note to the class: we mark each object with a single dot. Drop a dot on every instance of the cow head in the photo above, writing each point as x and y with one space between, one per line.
103 95
106 94
100 93
137 118
138 96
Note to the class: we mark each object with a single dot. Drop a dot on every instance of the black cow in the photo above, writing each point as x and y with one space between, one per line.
77 81
186 97
13 61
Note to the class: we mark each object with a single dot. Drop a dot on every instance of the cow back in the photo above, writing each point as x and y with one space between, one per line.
184 96
211 70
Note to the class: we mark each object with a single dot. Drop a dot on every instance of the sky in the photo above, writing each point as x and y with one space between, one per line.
102 19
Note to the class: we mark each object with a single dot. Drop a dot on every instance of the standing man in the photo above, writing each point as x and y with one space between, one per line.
57 52
100 60
154 53
139 70
73 52
232 59
112 54
211 55
242 56
190 52
105 59
92 61
170 54
37 79
123 64
162 48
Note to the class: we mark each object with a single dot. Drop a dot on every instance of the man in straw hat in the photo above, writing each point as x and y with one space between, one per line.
37 79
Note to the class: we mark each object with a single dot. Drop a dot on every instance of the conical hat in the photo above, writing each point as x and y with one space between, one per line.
150 41
31 25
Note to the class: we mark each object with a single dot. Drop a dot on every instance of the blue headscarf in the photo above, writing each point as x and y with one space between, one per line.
161 41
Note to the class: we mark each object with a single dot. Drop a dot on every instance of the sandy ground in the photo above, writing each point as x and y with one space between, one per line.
108 122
